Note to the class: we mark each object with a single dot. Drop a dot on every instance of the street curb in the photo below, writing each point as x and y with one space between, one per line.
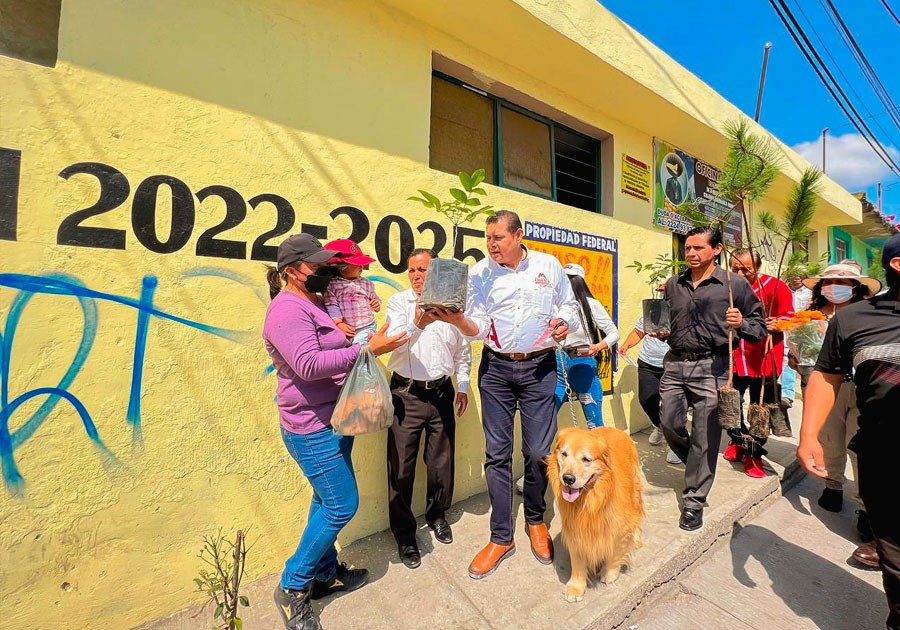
713 534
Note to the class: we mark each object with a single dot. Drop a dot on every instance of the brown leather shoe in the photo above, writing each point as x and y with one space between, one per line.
541 543
867 555
488 559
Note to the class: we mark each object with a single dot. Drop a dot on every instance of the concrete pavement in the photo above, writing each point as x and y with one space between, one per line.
788 568
523 593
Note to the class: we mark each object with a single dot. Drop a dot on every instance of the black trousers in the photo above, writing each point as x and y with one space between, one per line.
649 377
878 490
417 411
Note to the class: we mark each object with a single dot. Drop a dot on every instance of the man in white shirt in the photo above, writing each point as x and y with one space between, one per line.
521 303
801 298
423 398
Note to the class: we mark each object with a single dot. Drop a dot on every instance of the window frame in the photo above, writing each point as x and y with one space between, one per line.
846 246
499 103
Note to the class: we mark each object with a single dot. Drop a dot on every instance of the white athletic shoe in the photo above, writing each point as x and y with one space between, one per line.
672 458
520 485
656 437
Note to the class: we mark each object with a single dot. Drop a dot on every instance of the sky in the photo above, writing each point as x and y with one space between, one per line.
721 41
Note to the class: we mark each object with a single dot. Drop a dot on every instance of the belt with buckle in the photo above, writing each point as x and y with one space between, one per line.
519 356
696 356
435 384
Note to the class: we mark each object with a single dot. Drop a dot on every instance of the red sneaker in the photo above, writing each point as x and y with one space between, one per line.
753 467
733 453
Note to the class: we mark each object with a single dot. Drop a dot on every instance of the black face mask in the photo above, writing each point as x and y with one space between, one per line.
318 281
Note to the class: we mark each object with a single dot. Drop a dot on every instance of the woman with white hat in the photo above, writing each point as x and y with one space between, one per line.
838 286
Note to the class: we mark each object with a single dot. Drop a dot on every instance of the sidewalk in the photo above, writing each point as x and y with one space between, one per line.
523 593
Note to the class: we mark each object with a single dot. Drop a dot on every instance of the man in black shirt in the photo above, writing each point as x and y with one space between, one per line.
697 364
863 339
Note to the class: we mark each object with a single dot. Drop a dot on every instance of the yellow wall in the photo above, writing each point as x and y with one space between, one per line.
323 103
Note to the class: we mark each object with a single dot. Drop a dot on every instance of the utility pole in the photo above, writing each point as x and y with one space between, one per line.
879 199
824 131
762 79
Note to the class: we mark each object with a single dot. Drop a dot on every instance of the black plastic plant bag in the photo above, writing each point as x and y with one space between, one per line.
446 285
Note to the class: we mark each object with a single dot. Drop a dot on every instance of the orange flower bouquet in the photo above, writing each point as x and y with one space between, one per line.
799 318
807 334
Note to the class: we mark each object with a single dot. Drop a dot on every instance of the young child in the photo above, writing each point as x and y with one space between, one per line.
350 299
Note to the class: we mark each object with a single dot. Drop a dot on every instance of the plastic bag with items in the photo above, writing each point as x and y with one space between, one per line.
364 405
445 285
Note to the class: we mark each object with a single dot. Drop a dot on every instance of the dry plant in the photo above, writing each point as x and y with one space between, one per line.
221 582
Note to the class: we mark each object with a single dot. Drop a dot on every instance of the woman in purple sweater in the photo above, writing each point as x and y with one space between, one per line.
311 357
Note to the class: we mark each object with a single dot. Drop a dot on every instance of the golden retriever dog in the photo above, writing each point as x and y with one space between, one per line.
596 477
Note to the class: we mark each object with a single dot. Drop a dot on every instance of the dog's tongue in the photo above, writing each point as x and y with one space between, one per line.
570 494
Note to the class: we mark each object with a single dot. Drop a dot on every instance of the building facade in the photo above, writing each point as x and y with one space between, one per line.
863 241
153 154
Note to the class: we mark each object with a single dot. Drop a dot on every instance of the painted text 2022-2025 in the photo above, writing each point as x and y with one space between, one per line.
394 237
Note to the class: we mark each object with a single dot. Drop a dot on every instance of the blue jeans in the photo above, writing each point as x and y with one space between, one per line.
788 383
585 382
362 333
324 459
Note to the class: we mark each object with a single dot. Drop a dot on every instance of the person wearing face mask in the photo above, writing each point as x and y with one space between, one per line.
311 356
838 286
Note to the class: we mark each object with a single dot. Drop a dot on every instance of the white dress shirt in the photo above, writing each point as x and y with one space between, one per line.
802 298
437 351
513 307
601 320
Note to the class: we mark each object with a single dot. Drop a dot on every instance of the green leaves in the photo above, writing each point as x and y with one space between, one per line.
751 164
465 205
459 195
659 270
245 601
767 221
801 206
219 609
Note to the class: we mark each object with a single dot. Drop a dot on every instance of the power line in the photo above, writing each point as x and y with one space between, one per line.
863 63
889 10
865 107
830 83
791 24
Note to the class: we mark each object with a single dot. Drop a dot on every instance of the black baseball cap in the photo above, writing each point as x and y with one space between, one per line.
305 247
891 250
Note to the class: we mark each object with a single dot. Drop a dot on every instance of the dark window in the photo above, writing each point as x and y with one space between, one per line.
462 130
29 30
577 166
517 148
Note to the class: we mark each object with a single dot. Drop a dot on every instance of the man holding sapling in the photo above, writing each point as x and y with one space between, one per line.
521 303
698 363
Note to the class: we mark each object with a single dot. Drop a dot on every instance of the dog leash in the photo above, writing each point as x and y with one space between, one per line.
561 358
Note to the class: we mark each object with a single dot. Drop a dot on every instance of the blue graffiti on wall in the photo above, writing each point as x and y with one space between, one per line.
65 285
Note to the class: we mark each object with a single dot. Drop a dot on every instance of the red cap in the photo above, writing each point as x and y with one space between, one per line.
348 252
